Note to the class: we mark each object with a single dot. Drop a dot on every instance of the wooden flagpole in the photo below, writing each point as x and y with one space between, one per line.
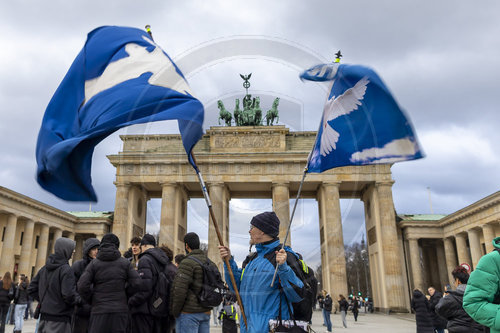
221 241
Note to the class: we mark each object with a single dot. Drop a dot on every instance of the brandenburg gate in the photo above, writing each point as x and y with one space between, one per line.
260 162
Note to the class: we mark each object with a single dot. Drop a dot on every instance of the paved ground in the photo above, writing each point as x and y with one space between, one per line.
372 322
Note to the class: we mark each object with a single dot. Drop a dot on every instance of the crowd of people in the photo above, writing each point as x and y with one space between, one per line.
473 306
148 290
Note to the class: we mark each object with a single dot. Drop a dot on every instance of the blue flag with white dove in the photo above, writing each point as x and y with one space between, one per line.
361 122
121 77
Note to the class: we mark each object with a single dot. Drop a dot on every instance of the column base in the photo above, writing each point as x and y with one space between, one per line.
392 310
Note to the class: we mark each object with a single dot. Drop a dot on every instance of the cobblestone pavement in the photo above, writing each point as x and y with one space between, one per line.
372 322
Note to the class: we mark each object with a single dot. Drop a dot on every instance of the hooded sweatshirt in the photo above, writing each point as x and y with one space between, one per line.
79 267
54 285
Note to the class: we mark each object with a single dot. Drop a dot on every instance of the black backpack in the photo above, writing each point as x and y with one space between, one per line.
301 310
159 301
213 288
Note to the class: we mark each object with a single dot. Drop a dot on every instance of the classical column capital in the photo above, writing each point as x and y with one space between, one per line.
283 183
384 183
121 184
216 184
168 183
331 183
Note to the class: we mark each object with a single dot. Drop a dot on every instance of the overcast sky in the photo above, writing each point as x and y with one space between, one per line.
439 58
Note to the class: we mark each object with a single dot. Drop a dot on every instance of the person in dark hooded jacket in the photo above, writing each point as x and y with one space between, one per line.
103 284
82 312
151 261
54 288
451 308
438 321
423 317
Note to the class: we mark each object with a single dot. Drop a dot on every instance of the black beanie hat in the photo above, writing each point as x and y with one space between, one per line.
111 239
268 222
148 240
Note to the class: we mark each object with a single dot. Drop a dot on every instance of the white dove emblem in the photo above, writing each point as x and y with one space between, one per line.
339 106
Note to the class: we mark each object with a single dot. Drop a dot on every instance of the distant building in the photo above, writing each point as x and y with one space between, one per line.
29 228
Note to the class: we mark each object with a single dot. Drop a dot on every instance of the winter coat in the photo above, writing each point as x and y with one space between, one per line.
21 294
343 305
355 306
438 321
327 303
482 296
187 285
171 271
261 301
83 310
450 307
422 315
151 262
105 279
54 284
4 294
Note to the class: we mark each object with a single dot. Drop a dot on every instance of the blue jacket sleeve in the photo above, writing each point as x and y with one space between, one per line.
292 285
236 272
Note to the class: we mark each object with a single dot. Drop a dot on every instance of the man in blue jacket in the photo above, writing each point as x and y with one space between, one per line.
261 302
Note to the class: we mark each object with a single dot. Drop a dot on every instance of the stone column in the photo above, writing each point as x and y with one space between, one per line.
393 271
451 258
441 261
57 234
79 248
332 238
475 246
462 250
168 222
217 197
71 235
416 266
43 244
120 216
24 261
489 235
7 262
281 206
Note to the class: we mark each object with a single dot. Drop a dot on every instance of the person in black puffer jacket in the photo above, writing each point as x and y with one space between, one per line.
103 285
54 288
438 321
82 312
423 318
151 261
450 306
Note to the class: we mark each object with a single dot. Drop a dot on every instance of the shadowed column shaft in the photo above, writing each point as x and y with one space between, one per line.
25 260
333 238
416 267
489 235
393 269
7 262
451 258
43 244
462 250
475 246
120 219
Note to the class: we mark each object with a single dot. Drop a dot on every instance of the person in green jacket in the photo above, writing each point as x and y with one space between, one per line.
482 296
